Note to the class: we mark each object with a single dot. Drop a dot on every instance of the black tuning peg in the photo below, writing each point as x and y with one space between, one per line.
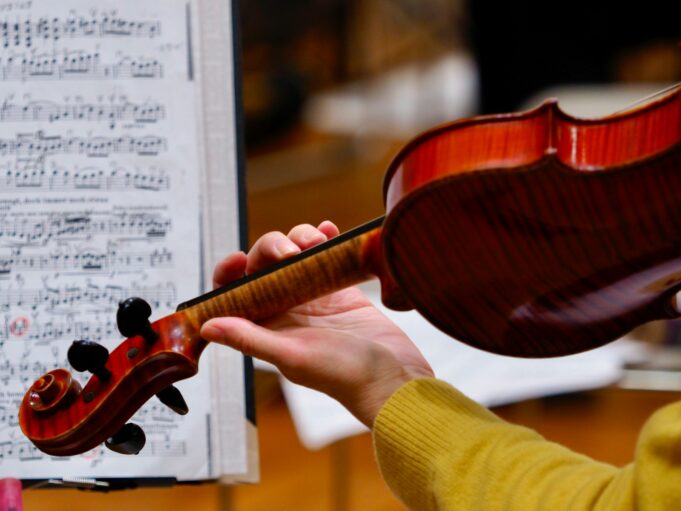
129 440
89 356
132 319
172 398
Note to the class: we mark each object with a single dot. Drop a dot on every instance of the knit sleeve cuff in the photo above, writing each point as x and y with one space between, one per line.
416 427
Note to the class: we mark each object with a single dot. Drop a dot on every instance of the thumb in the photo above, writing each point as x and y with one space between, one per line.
245 336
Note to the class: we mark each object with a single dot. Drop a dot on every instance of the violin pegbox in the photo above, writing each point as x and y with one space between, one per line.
61 418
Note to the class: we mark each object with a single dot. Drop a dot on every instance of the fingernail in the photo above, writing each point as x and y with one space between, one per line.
285 247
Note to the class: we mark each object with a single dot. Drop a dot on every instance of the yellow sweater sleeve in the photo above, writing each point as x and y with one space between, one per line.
437 449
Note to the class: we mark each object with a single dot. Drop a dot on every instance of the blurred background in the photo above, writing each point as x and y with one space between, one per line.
334 87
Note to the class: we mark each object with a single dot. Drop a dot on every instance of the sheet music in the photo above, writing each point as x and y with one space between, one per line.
99 201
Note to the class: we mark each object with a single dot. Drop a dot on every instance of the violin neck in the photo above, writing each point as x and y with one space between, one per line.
341 262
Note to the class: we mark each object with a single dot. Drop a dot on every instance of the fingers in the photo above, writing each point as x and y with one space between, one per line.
270 248
306 236
245 336
230 268
329 229
275 246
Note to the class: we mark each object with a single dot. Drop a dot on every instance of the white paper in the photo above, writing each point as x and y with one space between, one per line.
99 201
233 449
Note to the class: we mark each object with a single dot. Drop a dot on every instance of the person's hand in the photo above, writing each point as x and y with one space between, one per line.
339 344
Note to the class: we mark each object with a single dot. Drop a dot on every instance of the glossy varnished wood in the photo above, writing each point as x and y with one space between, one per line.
510 141
82 420
139 371
539 234
533 234
338 264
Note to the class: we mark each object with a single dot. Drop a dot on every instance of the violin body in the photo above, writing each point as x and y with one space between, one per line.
539 234
532 234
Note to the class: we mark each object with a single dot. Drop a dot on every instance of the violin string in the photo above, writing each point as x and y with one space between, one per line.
648 98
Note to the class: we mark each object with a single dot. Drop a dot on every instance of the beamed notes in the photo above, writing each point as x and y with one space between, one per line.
99 201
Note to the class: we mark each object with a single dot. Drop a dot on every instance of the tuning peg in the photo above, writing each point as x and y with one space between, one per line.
172 398
132 319
129 440
89 356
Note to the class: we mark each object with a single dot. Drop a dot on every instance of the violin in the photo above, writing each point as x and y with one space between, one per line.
533 234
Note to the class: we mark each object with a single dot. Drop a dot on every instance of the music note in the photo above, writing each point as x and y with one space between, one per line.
39 145
98 189
76 65
23 230
149 112
25 32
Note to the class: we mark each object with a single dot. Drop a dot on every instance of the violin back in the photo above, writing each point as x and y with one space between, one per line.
566 251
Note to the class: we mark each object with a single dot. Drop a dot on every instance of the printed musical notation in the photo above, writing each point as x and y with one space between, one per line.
98 198
35 178
168 448
39 145
111 114
56 330
23 230
23 450
24 32
86 260
26 451
77 65
70 298
23 370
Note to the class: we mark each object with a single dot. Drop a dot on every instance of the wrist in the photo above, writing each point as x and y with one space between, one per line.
379 392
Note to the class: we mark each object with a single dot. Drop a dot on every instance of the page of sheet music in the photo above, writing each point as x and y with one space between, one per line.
99 201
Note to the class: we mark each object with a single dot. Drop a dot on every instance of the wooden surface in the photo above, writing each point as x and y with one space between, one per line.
538 234
344 476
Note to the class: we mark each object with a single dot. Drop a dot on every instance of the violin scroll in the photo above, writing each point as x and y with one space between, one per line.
52 391
61 418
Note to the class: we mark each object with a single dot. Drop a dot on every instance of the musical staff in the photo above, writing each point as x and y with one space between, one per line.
22 230
60 179
56 330
26 32
111 114
86 260
26 451
99 298
38 145
167 448
99 199
24 370
23 450
77 65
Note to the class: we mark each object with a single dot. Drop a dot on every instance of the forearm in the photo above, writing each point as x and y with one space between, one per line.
439 450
